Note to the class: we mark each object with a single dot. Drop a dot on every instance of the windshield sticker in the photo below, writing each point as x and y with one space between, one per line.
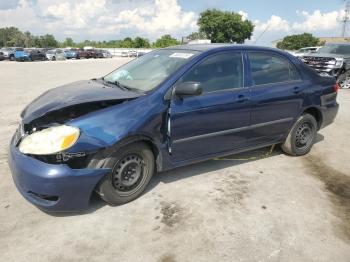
181 55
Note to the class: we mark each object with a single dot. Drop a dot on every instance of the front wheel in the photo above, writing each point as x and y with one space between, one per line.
301 137
132 168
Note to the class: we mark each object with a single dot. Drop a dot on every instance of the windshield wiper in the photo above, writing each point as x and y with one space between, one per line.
125 87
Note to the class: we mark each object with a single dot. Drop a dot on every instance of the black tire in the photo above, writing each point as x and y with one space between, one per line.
132 168
12 58
53 58
301 137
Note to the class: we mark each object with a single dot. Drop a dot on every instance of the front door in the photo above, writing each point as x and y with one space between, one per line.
217 120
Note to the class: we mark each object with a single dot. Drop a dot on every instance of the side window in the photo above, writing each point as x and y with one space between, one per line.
269 69
218 72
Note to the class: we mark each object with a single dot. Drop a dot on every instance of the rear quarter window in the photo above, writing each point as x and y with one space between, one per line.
268 68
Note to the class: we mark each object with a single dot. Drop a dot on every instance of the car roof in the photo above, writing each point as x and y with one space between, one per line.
207 47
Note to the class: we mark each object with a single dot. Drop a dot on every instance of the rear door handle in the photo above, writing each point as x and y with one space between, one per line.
242 99
297 90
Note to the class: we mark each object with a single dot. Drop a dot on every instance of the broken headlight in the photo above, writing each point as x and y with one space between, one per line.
50 140
339 62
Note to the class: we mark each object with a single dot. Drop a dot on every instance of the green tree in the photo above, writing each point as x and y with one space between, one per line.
140 42
46 41
295 42
28 39
224 26
68 42
127 43
11 36
197 35
164 41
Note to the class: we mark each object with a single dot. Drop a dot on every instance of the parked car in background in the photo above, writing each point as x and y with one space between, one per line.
72 53
124 54
9 52
332 60
132 53
94 53
84 54
169 108
305 51
55 54
106 54
29 55
141 53
99 53
2 56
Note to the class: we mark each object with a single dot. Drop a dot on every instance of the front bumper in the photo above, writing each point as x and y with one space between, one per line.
55 188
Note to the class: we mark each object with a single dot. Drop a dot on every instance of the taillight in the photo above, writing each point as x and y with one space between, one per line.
336 87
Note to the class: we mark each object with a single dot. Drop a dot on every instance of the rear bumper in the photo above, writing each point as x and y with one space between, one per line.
55 188
22 59
329 112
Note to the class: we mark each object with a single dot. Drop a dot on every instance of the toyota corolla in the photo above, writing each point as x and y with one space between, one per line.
169 108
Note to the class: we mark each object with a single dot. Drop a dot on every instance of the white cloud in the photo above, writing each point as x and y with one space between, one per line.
243 14
101 19
275 23
317 21
164 16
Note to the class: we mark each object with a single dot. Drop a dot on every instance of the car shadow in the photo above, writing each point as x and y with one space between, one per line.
216 164
181 173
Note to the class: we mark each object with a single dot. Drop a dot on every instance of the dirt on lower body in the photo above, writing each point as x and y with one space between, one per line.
337 185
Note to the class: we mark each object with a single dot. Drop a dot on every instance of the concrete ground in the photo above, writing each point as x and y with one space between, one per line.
247 207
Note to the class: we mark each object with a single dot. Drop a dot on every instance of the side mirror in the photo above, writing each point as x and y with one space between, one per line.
188 89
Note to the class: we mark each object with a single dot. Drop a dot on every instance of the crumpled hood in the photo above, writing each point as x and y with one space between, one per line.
80 92
326 55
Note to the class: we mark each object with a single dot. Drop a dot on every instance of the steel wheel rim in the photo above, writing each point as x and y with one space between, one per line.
304 136
128 174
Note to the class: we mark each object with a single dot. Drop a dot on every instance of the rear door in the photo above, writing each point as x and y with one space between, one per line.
276 96
217 120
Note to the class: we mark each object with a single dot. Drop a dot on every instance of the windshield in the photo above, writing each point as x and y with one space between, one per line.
335 49
148 71
305 50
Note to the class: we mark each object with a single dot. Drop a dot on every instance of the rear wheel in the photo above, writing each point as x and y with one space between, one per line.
132 168
53 58
301 137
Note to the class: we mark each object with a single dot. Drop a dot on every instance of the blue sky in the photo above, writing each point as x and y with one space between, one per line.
115 19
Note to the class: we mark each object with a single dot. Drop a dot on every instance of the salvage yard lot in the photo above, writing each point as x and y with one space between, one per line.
249 207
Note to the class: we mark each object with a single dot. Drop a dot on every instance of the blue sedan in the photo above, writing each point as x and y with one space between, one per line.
169 108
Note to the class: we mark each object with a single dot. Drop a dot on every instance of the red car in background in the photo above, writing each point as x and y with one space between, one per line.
84 53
